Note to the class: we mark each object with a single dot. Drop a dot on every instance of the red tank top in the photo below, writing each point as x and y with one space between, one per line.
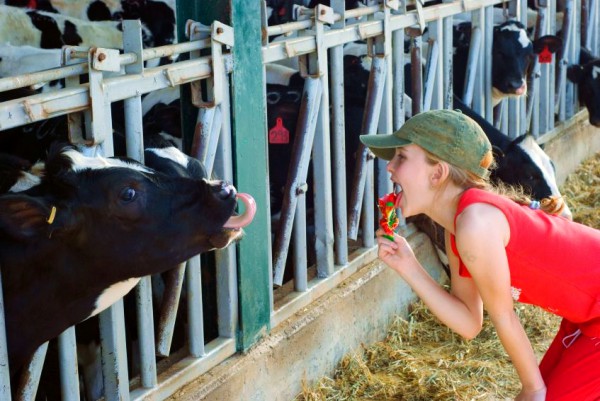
554 263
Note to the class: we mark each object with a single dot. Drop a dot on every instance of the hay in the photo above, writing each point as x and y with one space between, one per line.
581 190
420 359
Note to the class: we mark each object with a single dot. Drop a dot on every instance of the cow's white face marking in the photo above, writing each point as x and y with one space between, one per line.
113 294
278 74
81 162
595 72
541 159
523 38
173 154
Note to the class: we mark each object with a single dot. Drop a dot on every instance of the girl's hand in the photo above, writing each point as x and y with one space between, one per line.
532 395
395 253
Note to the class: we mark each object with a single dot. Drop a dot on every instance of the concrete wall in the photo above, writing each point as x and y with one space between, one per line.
570 143
311 343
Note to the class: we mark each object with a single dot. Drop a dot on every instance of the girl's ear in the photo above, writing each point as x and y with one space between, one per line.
440 173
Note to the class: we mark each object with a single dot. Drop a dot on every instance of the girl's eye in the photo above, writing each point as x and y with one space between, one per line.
128 194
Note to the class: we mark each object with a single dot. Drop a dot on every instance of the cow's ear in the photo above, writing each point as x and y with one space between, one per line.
24 217
552 42
574 73
497 152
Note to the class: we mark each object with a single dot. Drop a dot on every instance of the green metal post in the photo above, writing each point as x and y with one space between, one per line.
250 144
250 152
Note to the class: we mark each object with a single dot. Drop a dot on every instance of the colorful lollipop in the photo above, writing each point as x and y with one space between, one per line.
389 218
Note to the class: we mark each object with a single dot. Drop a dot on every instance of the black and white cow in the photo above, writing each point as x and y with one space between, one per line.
157 17
46 30
521 161
512 54
586 75
100 225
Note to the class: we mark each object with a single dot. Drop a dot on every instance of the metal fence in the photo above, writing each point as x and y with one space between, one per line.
339 230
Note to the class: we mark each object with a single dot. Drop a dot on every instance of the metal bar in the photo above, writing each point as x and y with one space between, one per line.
321 161
195 309
561 97
369 126
303 143
339 161
447 55
132 42
430 73
30 378
114 353
472 66
168 310
398 78
280 50
486 55
67 358
299 246
226 259
436 34
43 106
5 392
477 95
416 72
206 139
383 183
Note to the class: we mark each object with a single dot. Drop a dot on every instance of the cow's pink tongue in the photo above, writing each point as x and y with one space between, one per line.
244 219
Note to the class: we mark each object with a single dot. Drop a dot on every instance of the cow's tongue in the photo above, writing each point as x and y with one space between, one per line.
244 219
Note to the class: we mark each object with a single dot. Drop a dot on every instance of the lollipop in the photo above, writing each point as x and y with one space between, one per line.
389 218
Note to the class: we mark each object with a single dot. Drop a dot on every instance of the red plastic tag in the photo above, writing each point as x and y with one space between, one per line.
545 56
279 134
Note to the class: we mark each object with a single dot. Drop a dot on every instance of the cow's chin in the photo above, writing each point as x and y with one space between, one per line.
225 237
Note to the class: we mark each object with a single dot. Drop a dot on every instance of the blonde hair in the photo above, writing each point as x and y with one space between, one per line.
463 178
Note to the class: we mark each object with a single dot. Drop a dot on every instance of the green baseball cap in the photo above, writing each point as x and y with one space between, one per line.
448 134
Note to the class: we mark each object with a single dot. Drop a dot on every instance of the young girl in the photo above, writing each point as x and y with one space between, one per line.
500 250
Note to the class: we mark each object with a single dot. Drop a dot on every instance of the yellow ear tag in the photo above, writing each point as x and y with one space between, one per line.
52 215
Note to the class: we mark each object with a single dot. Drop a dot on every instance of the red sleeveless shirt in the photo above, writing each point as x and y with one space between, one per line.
554 263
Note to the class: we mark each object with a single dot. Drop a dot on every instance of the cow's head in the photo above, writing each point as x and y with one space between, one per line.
587 77
121 211
524 163
512 53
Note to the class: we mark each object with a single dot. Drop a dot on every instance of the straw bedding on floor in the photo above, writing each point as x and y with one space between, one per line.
420 359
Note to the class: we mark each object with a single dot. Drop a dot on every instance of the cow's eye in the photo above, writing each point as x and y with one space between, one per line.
128 194
273 97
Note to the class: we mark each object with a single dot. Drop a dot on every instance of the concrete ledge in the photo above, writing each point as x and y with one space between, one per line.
570 143
309 344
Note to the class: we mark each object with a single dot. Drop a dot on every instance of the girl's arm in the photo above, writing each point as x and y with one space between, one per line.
461 309
482 233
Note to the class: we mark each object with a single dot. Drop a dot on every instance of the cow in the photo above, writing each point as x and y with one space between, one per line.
99 226
17 174
23 27
586 75
157 17
512 53
19 60
520 162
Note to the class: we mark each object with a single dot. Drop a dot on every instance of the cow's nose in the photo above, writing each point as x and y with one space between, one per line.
225 190
515 83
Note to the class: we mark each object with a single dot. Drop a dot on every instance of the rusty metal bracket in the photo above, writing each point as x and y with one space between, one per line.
106 60
220 35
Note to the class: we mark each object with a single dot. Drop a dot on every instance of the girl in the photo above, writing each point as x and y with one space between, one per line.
499 250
